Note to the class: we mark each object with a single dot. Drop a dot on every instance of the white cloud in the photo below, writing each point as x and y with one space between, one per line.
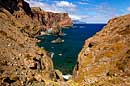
101 13
58 6
78 17
128 8
90 19
75 17
83 2
39 4
65 4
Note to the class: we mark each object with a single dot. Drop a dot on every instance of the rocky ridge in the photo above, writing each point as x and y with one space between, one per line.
105 57
22 62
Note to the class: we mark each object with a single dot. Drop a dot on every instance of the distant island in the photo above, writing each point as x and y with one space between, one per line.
78 22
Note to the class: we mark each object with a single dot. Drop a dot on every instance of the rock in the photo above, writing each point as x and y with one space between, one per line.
37 84
50 30
60 54
38 77
59 75
58 40
44 33
14 77
104 59
61 33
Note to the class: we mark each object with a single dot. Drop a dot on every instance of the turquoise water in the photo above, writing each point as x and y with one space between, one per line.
65 54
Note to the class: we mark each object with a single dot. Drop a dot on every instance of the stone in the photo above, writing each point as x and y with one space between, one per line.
59 75
38 77
58 40
14 77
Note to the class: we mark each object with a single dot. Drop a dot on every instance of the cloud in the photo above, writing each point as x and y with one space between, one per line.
65 4
101 12
56 6
78 17
83 2
75 17
40 4
90 18
128 9
103 8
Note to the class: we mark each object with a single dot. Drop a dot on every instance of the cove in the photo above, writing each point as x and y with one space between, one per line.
66 53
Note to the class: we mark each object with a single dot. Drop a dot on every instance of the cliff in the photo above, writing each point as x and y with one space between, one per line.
22 62
34 19
41 21
105 57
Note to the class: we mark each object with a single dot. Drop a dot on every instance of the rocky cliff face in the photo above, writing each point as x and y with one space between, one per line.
105 57
34 19
51 20
22 63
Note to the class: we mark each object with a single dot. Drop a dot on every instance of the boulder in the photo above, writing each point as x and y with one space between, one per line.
58 40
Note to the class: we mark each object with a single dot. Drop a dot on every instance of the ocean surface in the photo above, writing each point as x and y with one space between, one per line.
66 53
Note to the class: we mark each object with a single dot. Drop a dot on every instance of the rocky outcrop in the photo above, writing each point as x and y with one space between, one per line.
58 40
105 57
22 62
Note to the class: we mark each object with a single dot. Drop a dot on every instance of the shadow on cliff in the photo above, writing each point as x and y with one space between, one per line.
15 5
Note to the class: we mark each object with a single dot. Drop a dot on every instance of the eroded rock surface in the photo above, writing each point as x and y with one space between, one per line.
105 57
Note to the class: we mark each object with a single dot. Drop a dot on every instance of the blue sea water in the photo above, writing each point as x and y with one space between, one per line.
66 53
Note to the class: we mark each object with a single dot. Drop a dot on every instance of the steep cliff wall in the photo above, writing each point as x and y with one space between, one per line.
105 57
22 63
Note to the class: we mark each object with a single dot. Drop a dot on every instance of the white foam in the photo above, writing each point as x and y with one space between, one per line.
68 76
52 54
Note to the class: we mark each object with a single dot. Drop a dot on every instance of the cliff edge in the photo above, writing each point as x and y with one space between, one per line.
105 57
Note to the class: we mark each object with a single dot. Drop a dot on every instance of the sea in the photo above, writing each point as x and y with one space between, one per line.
66 53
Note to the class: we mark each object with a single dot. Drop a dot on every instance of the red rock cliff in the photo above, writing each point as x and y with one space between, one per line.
38 20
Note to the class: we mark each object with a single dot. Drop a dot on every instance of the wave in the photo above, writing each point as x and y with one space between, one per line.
67 77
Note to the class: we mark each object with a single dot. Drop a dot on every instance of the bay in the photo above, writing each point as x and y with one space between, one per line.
66 53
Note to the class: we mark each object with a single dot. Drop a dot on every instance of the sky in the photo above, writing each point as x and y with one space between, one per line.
89 11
